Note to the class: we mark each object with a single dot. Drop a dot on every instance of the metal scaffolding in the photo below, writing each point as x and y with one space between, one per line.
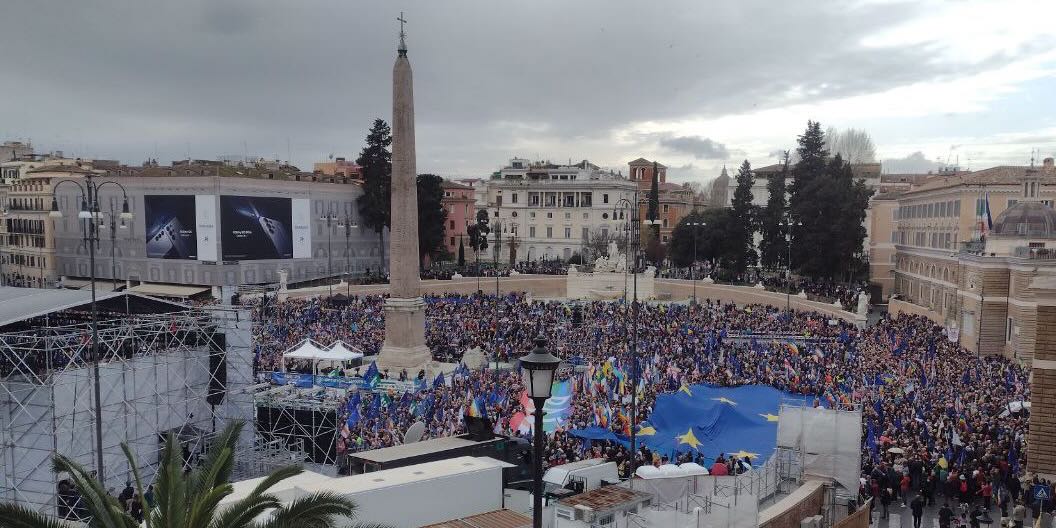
184 373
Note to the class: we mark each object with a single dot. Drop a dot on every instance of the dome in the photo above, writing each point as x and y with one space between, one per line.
1028 220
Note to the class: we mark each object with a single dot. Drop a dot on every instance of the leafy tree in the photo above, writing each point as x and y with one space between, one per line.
853 145
190 500
376 201
432 216
478 234
744 229
713 243
774 246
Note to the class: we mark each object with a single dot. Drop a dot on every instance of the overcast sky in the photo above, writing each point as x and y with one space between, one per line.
694 84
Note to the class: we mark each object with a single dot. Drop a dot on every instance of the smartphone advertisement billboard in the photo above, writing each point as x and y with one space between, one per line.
255 228
170 226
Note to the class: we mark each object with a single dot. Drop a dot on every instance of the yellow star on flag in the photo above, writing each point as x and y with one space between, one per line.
689 439
685 389
742 453
646 430
769 417
725 400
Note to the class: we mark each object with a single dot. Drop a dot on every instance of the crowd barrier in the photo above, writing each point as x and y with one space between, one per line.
307 381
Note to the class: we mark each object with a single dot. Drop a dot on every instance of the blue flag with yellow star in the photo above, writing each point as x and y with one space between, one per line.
711 420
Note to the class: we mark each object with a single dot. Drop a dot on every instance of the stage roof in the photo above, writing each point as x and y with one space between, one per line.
20 304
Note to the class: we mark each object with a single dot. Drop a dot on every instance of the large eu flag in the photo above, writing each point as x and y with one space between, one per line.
710 420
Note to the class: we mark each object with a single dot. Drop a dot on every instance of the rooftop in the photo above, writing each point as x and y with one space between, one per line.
606 498
492 519
388 454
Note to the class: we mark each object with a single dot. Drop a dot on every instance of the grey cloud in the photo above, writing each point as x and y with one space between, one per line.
120 79
699 147
915 163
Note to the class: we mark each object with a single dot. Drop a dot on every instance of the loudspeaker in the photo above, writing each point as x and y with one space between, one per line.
217 369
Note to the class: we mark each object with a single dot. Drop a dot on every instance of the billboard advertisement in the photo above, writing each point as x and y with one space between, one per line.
170 226
255 228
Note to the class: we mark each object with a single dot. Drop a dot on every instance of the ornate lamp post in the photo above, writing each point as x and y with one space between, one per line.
91 217
539 368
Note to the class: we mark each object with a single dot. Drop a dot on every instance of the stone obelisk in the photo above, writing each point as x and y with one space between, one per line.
404 310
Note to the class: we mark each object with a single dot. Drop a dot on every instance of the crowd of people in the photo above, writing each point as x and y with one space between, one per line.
934 413
818 289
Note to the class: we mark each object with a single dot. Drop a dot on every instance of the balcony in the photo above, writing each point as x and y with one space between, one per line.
1034 253
973 246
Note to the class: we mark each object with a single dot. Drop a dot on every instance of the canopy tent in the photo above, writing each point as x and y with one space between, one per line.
309 350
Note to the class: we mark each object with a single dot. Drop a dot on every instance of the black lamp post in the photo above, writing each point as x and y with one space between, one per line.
788 224
538 370
693 267
91 222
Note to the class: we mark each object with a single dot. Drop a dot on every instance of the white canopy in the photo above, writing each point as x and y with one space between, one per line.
340 352
306 350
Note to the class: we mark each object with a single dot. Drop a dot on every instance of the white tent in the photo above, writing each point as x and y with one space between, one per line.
312 351
345 352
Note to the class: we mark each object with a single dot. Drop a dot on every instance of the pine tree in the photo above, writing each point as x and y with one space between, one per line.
432 216
461 254
774 246
376 201
744 230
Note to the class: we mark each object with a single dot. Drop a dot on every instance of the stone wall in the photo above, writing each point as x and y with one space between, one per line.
805 501
859 519
554 286
896 307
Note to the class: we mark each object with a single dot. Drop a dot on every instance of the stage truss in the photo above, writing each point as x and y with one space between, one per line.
155 373
304 422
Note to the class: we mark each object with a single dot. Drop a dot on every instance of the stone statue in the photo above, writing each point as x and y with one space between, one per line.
621 265
612 261
863 304
612 249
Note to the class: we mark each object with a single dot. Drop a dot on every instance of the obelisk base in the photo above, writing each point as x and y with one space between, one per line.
404 346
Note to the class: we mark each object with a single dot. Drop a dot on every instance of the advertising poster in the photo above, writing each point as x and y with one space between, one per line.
170 221
206 226
255 228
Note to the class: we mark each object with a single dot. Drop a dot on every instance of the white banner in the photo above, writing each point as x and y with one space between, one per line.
206 226
302 228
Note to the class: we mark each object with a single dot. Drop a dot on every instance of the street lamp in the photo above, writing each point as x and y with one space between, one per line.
348 224
538 370
633 230
788 224
693 266
89 210
113 225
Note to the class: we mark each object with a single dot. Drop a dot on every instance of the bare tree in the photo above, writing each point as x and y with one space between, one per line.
598 242
854 145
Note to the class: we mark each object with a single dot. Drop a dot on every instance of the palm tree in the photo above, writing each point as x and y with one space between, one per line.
191 500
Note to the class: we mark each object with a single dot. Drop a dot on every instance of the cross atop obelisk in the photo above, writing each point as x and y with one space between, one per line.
404 309
403 36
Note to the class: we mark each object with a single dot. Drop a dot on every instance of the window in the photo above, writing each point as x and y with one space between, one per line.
549 232
549 215
586 216
957 208
586 233
514 214
531 214
498 200
1011 202
665 225
568 216
496 213
980 206
667 208
452 225
568 232
664 238
605 198
604 216
513 198
531 231
451 242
